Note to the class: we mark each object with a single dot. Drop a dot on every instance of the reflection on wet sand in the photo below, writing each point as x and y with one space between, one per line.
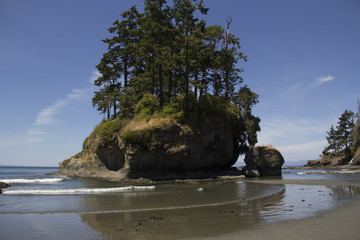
224 208
176 211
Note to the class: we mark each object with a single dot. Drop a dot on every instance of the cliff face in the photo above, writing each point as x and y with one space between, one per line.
158 146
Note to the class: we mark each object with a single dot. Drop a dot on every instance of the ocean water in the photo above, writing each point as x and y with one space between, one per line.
41 206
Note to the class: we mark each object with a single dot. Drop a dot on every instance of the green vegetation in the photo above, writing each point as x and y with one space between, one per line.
166 52
165 62
344 139
105 131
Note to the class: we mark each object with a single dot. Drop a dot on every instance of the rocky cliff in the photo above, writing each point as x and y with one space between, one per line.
151 148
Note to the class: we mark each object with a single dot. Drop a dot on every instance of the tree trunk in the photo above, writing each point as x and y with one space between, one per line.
203 84
125 70
161 90
153 84
170 85
196 82
216 86
226 84
108 110
186 97
114 108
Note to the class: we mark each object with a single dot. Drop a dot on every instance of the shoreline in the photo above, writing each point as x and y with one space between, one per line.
290 207
338 223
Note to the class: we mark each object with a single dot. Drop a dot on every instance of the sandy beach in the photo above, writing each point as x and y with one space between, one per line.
302 204
340 223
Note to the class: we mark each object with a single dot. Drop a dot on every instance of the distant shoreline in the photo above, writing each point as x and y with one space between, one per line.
332 167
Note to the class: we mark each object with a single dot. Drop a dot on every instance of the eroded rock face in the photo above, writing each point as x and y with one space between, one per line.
159 149
356 158
263 161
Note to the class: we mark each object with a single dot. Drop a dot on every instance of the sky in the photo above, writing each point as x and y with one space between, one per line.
303 61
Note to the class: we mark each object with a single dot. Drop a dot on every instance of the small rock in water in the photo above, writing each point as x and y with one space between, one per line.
4 185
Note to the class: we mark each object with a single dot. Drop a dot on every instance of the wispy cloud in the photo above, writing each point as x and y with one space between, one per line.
323 79
304 151
303 147
34 135
50 115
77 93
285 127
47 116
297 139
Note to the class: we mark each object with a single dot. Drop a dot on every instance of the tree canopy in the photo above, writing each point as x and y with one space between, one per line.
167 53
344 138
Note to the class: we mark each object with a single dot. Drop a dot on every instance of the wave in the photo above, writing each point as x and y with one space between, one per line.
77 190
40 180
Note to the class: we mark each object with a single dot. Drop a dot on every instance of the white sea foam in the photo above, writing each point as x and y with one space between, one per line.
24 180
77 190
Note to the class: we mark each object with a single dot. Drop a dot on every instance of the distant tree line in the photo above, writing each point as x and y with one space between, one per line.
167 51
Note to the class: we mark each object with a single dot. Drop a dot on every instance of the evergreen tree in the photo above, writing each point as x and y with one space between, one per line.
166 57
332 140
186 22
245 99
109 80
340 139
231 55
345 125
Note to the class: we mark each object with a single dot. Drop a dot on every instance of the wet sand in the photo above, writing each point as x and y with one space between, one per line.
263 208
340 223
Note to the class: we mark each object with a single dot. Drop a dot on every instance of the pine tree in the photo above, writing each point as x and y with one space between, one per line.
345 125
169 58
332 140
340 139
184 15
245 99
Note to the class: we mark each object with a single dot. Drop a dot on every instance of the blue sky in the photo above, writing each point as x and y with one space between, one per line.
303 61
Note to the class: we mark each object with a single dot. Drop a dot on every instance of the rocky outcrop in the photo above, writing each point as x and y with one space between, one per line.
312 163
263 161
328 160
356 158
3 185
156 148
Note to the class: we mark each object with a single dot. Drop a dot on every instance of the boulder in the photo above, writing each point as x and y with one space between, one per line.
155 148
4 185
356 158
263 161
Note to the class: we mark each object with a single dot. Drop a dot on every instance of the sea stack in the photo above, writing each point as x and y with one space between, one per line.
263 161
